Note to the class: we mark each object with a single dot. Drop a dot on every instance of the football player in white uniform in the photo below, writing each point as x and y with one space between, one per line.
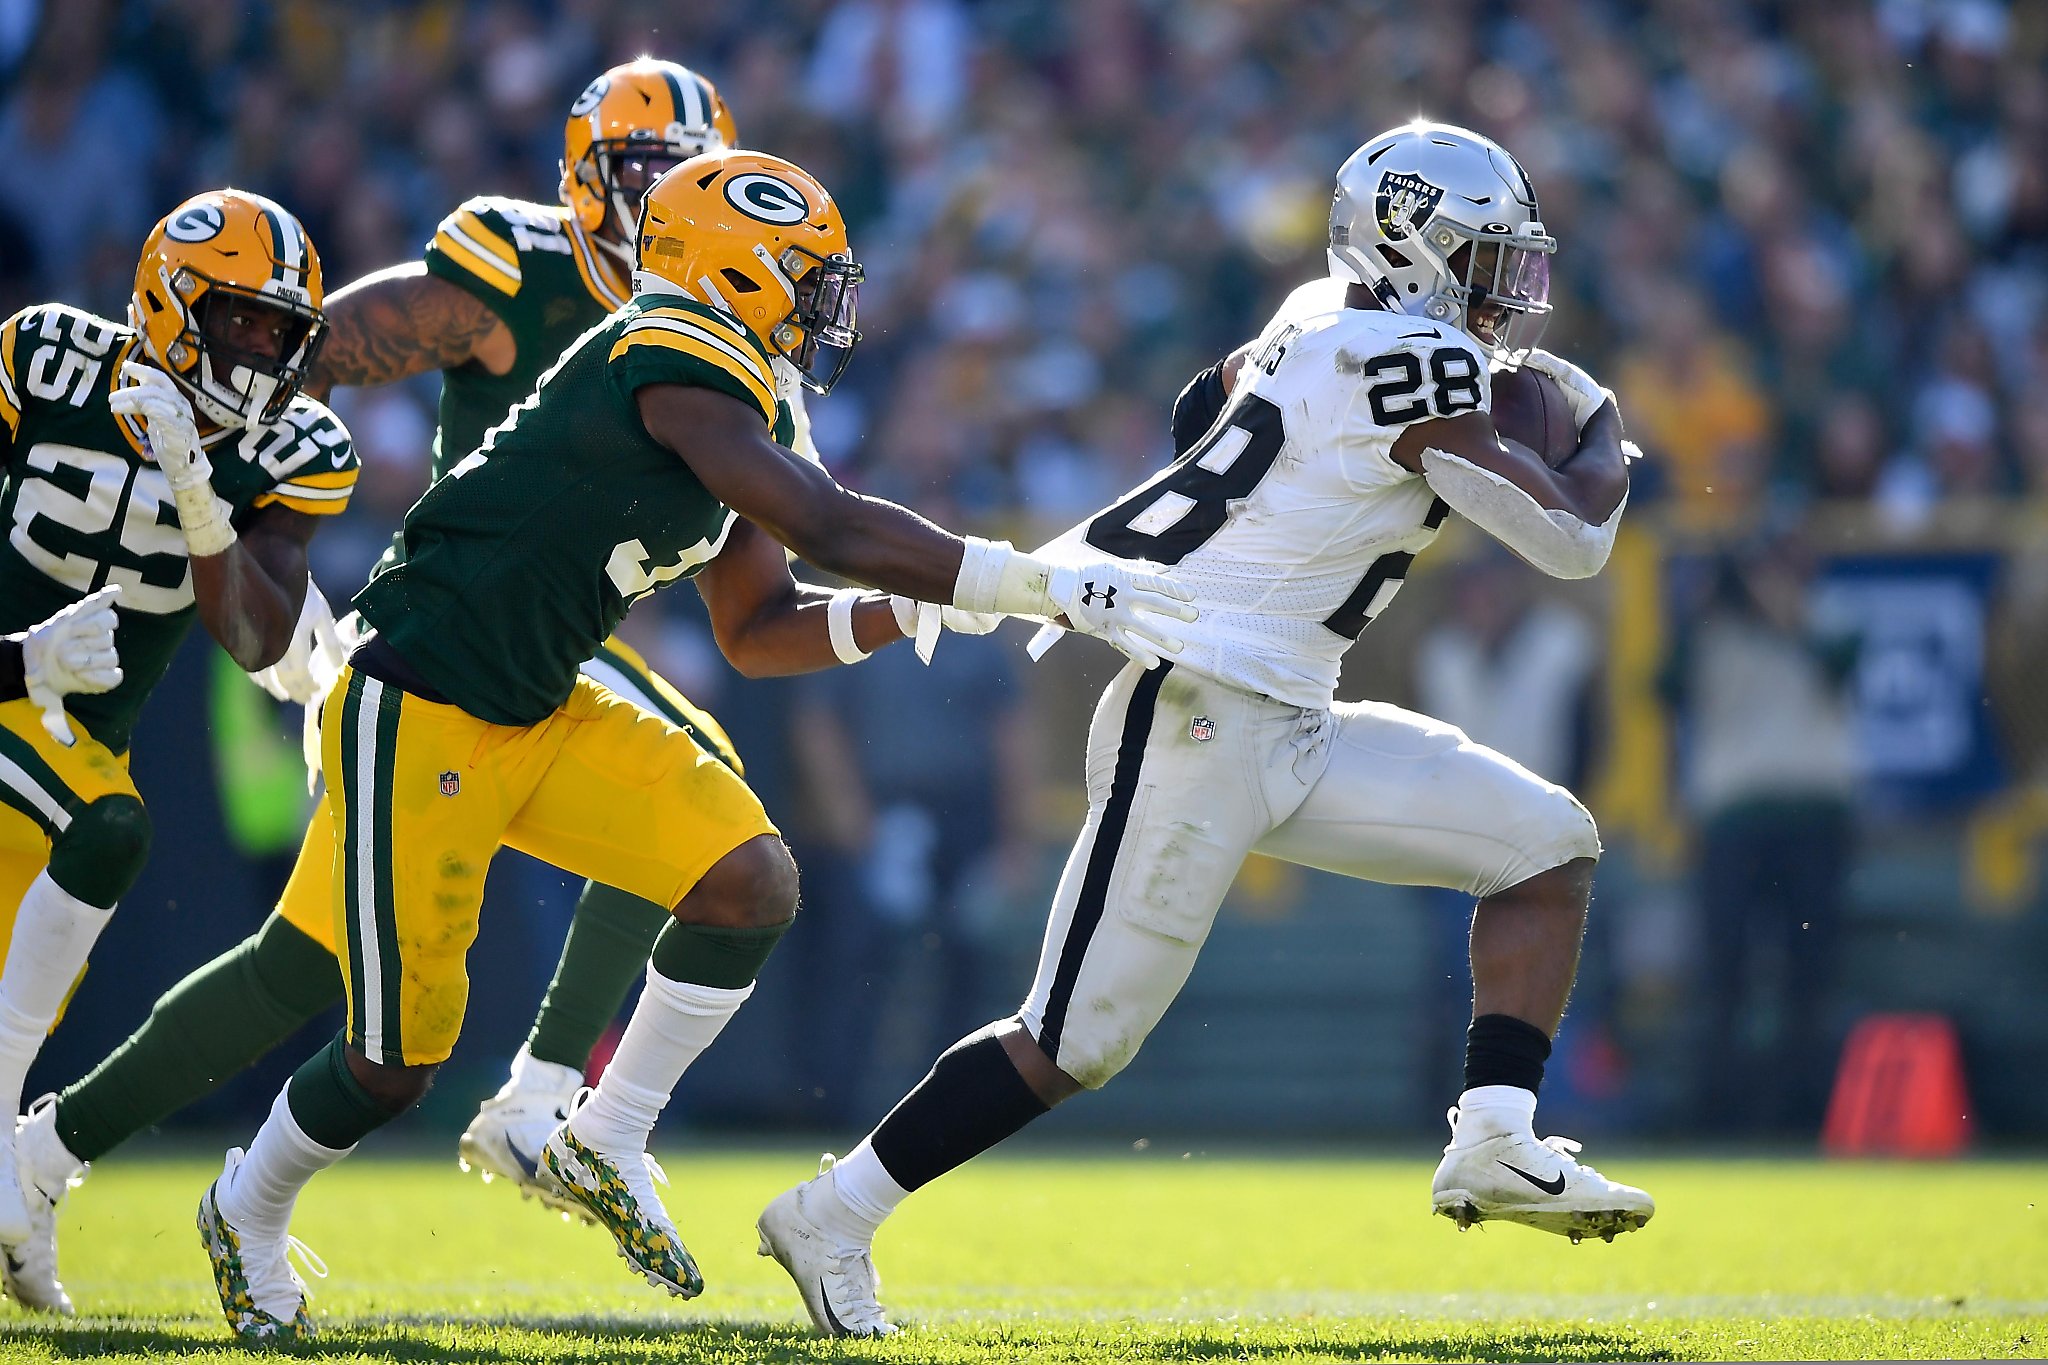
1340 439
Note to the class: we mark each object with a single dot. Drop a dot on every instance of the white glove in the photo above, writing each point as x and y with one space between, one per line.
153 396
314 659
1107 598
71 652
1581 390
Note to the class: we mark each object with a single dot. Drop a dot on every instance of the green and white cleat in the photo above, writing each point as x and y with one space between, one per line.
260 1291
619 1195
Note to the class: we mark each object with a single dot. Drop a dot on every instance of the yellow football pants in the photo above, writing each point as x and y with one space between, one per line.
422 795
42 786
307 902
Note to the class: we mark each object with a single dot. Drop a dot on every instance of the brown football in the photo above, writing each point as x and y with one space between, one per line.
1531 408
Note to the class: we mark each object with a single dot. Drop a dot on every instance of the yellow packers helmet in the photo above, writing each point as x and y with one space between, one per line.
756 237
627 127
222 270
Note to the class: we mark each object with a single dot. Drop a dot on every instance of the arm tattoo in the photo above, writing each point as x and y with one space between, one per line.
399 322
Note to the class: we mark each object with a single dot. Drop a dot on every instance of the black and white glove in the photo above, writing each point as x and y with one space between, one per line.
1129 607
71 652
154 397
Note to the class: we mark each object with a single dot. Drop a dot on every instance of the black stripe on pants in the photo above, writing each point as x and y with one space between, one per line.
1109 837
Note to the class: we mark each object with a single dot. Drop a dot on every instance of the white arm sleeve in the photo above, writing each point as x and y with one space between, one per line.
1556 542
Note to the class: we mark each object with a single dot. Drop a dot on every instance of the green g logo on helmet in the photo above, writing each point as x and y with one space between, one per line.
767 199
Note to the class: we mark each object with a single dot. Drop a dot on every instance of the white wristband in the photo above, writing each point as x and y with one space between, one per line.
839 625
207 532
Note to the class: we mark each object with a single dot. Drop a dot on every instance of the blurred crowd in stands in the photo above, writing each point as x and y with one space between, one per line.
1806 243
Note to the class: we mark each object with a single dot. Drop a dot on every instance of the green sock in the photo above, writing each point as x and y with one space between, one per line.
706 955
605 953
205 1029
329 1103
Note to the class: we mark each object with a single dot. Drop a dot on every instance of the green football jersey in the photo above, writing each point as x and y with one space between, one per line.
519 563
84 507
548 282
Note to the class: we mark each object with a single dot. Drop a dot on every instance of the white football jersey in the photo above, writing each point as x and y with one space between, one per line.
1289 519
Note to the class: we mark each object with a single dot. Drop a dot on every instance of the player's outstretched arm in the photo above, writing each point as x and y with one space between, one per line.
1561 520
890 547
400 322
768 624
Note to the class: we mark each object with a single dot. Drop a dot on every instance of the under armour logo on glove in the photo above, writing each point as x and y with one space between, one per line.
1125 605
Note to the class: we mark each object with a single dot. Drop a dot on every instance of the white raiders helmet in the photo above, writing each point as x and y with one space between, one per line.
1441 223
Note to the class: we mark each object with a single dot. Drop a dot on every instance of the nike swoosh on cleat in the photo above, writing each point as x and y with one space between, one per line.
824 1302
1551 1186
528 1164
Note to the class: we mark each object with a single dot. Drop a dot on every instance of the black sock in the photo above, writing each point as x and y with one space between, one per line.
1503 1050
970 1100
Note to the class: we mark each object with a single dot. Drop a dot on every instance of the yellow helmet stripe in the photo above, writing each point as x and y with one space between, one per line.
719 357
10 401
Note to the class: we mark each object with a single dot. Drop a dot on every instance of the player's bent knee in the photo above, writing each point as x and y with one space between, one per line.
1550 834
101 853
754 886
394 1089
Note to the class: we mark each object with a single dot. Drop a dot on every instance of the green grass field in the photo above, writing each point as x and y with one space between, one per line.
1111 1257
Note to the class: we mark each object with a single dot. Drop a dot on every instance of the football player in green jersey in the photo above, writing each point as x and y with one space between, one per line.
504 288
174 458
653 450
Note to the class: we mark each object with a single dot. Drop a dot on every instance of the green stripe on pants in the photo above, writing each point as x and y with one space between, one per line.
389 700
351 905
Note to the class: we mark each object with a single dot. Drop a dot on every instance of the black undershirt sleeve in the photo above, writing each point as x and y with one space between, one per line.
1197 407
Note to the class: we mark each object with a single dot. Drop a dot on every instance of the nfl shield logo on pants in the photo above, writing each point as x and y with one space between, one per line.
451 783
1201 729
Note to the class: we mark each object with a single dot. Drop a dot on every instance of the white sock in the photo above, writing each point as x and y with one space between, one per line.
866 1192
670 1028
1495 1110
53 933
277 1166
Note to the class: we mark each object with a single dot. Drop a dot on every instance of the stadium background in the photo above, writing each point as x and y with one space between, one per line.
1806 243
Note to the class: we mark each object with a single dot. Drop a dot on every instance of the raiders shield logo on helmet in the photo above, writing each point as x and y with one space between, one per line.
1404 202
451 783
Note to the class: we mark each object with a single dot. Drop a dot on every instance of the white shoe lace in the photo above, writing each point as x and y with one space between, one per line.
860 1307
264 1279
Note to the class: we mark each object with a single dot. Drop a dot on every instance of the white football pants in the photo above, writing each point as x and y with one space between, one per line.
1187 776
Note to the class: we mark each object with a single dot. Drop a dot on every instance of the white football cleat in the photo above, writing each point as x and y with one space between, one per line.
261 1294
840 1287
1513 1178
505 1139
48 1171
16 1227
